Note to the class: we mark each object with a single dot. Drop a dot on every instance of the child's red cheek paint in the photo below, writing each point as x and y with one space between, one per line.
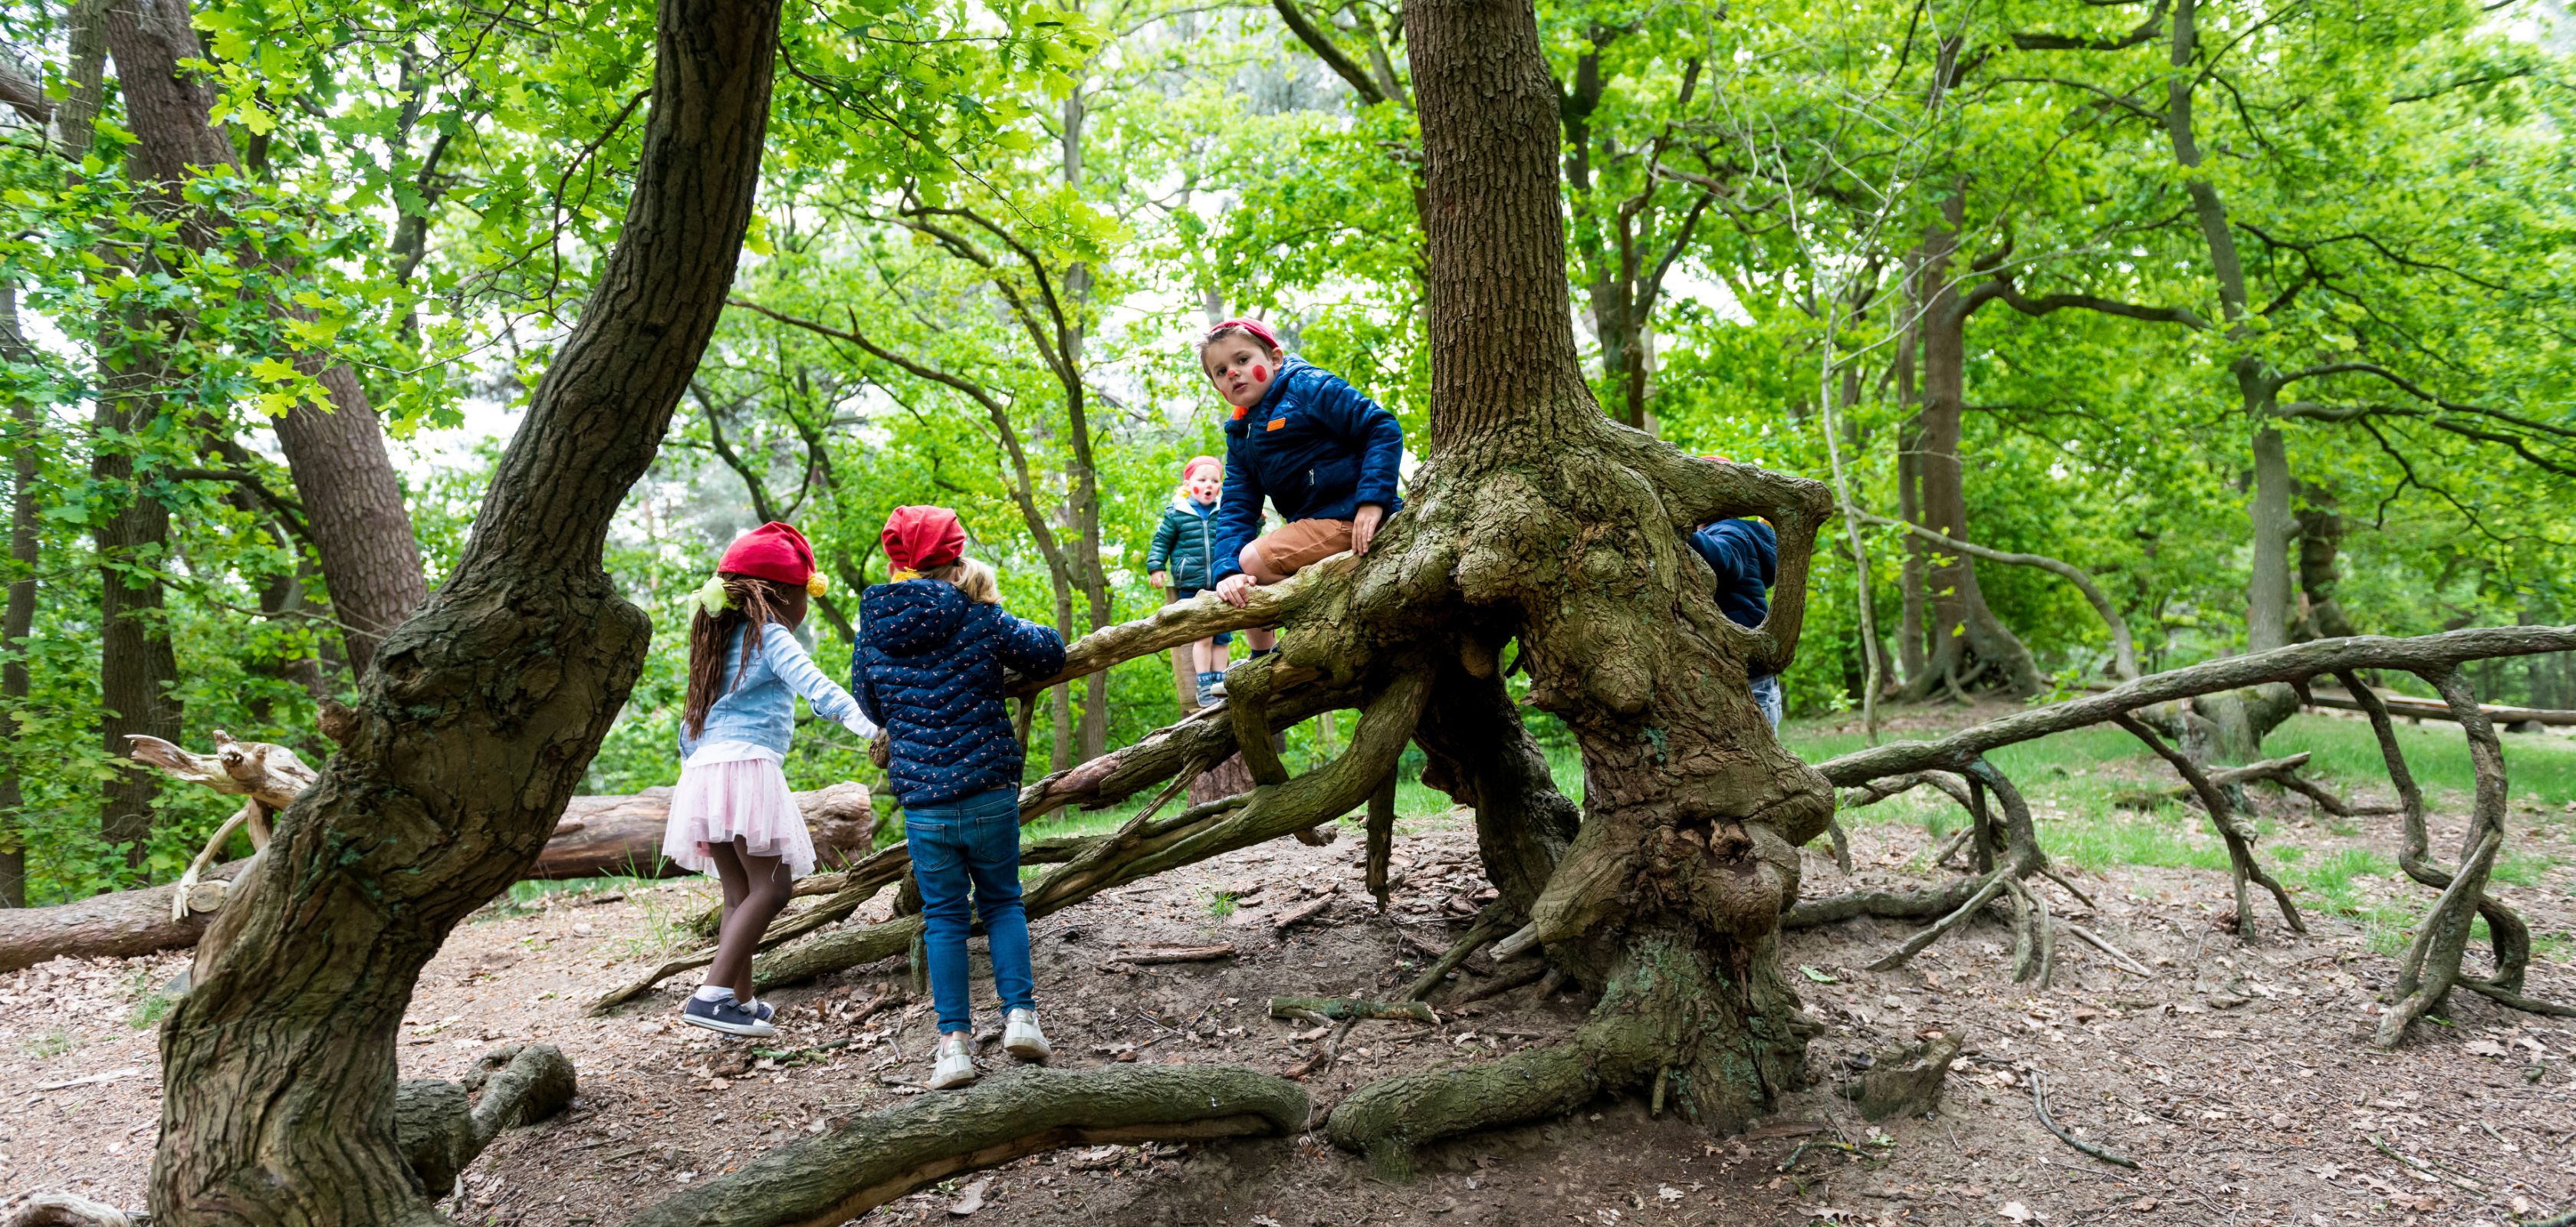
1260 373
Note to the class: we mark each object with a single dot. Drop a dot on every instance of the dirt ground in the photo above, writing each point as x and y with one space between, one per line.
2239 1077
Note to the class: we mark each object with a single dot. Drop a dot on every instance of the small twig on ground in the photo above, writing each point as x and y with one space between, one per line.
2080 897
1175 954
1301 912
2039 1104
1487 927
2125 963
2427 1168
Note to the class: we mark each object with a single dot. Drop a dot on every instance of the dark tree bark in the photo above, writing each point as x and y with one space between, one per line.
482 713
2321 616
342 470
137 665
20 618
1964 632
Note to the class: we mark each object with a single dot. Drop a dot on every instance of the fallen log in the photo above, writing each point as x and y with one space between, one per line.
120 924
598 836
2435 709
603 836
873 1159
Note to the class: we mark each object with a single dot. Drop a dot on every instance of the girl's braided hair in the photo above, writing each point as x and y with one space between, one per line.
751 602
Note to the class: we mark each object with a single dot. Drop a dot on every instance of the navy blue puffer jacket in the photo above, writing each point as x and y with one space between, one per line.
929 668
1745 554
1315 447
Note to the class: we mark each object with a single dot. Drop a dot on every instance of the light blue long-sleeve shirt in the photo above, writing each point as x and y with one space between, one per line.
758 706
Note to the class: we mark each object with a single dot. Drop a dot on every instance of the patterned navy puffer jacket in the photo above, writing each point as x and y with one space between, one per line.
929 668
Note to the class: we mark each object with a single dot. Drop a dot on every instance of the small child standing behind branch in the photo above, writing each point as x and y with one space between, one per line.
731 812
930 666
1182 563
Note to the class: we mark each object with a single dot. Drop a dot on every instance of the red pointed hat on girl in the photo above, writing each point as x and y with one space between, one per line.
772 551
919 538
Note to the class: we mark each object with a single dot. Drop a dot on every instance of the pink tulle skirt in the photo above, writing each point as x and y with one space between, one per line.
746 800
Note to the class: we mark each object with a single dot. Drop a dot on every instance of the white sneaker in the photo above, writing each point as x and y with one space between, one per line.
1021 1037
956 1066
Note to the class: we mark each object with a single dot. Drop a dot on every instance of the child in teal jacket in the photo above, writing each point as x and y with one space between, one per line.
1181 562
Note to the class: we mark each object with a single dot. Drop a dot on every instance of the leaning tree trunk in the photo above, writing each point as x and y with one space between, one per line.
338 458
480 716
1537 519
137 666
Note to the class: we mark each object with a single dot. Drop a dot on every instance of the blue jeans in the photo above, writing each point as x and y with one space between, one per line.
1767 696
975 840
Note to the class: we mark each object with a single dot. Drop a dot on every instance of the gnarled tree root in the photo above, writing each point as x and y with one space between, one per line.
440 1132
885 1155
1718 1031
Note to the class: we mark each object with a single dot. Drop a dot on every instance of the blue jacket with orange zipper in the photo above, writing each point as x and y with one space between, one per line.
1315 447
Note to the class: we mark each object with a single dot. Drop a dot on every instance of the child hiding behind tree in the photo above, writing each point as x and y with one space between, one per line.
731 812
930 666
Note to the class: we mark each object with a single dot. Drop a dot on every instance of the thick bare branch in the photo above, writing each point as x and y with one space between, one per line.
2297 661
2124 652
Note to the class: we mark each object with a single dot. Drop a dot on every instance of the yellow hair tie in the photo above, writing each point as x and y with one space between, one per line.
817 584
904 573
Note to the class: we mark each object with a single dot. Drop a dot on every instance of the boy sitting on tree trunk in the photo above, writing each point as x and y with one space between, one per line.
1326 456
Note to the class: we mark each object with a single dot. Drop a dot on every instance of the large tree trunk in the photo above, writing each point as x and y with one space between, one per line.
1964 632
1541 520
482 712
342 470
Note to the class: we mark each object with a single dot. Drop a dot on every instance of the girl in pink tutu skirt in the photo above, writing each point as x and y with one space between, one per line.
731 812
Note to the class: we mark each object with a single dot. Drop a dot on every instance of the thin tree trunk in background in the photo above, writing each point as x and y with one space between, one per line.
1909 507
1962 626
24 557
342 470
2320 546
2238 724
1092 735
279 1070
137 665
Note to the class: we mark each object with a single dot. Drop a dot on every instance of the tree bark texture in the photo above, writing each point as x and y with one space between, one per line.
1964 632
480 716
137 665
342 470
25 428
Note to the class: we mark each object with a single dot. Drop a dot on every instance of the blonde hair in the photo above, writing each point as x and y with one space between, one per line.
973 577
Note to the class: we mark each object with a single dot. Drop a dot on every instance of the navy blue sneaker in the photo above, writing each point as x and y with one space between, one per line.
726 1015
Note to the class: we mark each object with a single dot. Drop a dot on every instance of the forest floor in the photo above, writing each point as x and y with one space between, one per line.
2239 1076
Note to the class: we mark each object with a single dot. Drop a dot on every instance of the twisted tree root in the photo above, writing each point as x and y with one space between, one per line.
440 1133
2242 865
874 1159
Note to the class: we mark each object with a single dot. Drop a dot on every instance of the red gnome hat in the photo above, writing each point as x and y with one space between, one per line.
919 538
772 551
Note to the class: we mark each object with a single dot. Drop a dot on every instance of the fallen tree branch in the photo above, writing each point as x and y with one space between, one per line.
841 1175
2039 1104
1175 954
440 1132
1345 1009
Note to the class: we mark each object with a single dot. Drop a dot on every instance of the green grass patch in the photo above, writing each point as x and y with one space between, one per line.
2541 769
2166 838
